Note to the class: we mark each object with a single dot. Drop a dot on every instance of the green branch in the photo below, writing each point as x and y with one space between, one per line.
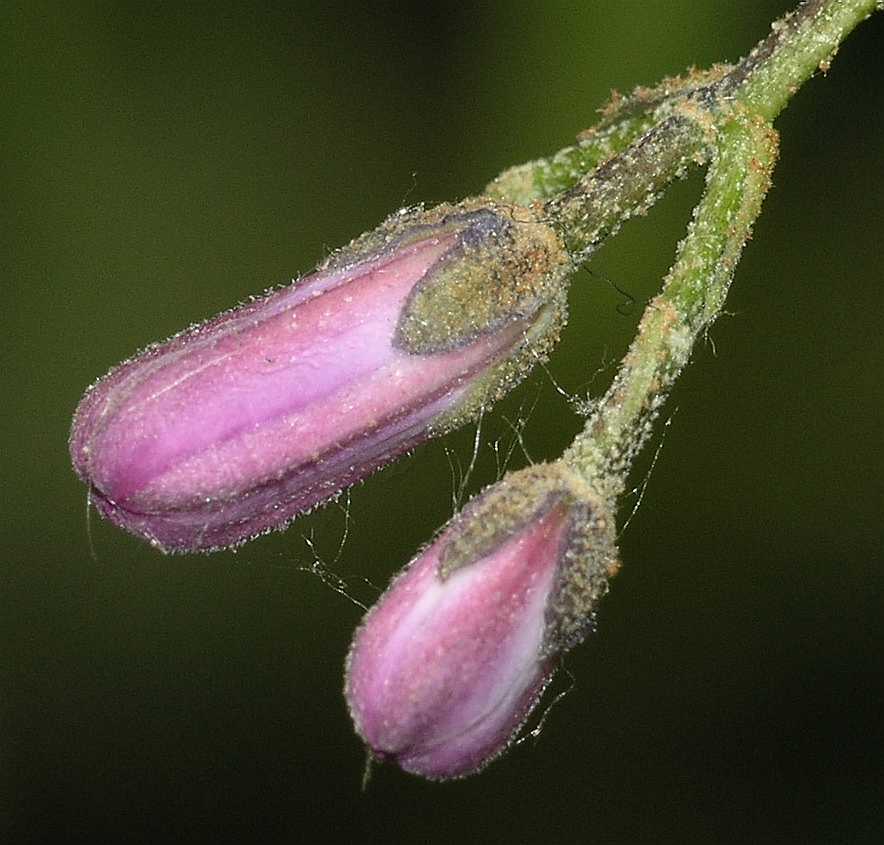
798 45
692 296
629 183
650 139
624 121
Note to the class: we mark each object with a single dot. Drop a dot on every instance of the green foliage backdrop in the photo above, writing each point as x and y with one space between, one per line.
164 161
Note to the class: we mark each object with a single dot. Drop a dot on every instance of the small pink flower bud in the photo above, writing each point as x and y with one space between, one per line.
448 664
237 425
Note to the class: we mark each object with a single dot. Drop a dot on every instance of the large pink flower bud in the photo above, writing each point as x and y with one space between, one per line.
448 664
237 425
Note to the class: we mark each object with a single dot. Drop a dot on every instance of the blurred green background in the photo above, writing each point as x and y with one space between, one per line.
164 161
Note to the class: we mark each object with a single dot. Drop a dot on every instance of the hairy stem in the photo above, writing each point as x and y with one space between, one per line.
692 296
624 122
800 43
547 177
627 184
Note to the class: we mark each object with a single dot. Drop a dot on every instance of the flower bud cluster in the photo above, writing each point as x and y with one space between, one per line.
237 425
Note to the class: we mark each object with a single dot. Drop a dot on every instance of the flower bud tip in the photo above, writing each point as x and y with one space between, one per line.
449 663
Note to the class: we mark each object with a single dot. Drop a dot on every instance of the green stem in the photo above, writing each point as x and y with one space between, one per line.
798 44
547 177
627 184
692 296
625 120
728 119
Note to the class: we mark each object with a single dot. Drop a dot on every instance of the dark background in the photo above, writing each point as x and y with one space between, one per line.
163 162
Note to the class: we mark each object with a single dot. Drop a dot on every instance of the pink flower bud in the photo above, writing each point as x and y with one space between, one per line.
237 425
448 664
